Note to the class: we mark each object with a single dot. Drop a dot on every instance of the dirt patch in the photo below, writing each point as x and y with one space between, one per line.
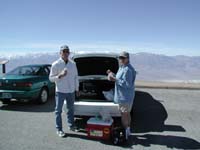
167 85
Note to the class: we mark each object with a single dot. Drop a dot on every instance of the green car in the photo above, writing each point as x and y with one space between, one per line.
30 82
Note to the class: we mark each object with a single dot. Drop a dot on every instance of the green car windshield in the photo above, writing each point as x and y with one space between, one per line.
25 70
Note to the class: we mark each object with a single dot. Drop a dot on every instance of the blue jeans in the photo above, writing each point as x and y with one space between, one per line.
70 98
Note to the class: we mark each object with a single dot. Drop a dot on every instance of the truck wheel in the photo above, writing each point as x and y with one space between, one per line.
43 96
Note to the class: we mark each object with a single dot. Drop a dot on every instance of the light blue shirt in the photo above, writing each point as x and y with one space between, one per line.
125 85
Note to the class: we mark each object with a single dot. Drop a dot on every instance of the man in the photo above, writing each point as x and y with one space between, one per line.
64 74
124 89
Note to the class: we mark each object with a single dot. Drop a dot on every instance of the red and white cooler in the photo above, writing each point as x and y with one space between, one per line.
99 129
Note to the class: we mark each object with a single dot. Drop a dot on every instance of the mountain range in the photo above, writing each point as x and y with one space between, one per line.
151 67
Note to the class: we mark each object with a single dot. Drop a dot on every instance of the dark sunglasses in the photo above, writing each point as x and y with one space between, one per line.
65 51
121 57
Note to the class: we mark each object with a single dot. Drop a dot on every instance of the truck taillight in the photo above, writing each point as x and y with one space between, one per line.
23 84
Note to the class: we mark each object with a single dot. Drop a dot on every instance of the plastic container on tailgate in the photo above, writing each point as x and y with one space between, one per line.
99 129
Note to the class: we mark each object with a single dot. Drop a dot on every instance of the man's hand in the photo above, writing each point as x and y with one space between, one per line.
112 78
77 93
63 73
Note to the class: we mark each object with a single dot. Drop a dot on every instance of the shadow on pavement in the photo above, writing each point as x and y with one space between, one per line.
149 115
29 106
147 140
169 141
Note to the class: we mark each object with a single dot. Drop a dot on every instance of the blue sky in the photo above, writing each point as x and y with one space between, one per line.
170 27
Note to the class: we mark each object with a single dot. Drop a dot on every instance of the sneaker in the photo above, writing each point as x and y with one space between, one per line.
61 133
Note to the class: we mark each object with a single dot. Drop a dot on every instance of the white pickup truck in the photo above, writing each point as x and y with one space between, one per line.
93 81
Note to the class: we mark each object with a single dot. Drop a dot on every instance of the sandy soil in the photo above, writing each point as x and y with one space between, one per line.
167 85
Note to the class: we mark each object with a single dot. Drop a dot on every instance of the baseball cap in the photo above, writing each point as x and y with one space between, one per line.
124 54
64 47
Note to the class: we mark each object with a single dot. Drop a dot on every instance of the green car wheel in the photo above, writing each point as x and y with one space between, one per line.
43 96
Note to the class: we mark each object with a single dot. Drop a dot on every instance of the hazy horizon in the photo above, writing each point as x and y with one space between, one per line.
13 53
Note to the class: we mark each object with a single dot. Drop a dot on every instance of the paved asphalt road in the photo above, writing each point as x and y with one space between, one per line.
163 119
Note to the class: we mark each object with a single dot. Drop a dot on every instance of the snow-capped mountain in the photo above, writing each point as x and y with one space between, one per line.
149 66
31 58
161 67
